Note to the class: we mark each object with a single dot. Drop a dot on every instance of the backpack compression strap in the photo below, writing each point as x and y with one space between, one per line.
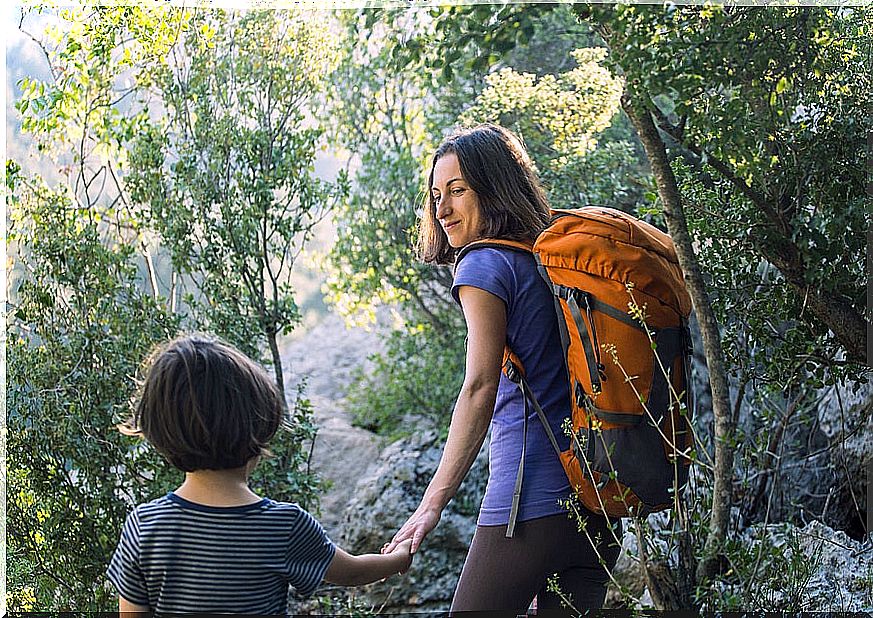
514 374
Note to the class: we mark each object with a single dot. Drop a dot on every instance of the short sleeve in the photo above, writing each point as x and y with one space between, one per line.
124 571
487 269
310 553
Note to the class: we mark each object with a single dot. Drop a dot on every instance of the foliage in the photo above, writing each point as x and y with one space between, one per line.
88 301
769 122
80 322
80 327
284 473
561 118
379 117
91 51
227 176
565 112
769 567
414 382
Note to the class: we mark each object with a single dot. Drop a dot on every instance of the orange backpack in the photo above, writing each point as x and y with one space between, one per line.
631 438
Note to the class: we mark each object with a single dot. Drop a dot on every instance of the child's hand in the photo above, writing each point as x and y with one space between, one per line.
404 556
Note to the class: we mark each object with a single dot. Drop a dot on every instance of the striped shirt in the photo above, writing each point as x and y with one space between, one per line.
178 556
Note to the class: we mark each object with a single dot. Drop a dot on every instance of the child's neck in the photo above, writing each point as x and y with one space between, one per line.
218 487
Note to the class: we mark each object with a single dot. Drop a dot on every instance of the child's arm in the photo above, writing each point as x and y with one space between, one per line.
348 570
126 606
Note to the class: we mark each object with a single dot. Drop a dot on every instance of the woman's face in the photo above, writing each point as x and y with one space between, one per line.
457 205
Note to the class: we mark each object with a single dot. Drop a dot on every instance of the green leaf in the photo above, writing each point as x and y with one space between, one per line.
782 85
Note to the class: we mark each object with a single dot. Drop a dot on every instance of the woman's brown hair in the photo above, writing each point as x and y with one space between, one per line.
495 164
204 405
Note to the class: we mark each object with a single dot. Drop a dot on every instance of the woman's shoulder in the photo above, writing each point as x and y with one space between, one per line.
495 256
499 270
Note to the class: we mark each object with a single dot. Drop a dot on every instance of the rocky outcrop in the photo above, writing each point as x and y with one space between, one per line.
846 419
384 499
813 569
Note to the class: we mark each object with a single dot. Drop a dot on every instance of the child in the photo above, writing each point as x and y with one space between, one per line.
213 545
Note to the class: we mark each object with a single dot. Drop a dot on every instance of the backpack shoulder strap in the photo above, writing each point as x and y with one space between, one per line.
516 245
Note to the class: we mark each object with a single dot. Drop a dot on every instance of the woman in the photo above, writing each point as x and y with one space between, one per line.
482 185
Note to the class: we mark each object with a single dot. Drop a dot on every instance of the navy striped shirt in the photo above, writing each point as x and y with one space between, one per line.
178 556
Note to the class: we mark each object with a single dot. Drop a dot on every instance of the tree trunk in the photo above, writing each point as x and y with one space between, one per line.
634 105
277 365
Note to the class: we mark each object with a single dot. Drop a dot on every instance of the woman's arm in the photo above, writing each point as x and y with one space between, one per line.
485 315
348 570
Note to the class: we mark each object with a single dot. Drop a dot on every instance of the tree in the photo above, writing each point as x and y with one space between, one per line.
562 119
87 303
227 177
778 102
83 315
80 326
774 110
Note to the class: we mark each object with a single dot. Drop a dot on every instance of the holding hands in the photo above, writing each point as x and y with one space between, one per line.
403 554
412 533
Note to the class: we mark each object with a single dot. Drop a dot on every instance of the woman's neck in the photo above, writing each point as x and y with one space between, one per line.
218 487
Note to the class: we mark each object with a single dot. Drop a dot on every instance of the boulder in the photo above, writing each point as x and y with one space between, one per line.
341 454
627 573
382 499
830 572
846 419
814 569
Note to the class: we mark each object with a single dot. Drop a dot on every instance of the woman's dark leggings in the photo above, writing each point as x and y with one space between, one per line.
504 574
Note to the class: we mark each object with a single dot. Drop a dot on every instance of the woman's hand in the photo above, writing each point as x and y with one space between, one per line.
418 526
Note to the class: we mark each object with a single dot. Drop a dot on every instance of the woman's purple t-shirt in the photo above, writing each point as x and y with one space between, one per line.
532 333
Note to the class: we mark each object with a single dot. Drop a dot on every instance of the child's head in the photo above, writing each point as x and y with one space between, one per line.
205 405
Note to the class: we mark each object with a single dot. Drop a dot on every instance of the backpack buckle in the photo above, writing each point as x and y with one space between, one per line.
580 395
511 371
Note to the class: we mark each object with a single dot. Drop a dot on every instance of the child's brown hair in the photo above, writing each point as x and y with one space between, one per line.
204 405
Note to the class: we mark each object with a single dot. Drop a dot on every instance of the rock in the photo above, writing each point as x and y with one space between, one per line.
627 572
382 501
831 571
341 454
846 417
326 356
814 569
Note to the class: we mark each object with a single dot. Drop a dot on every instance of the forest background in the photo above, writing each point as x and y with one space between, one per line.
171 167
